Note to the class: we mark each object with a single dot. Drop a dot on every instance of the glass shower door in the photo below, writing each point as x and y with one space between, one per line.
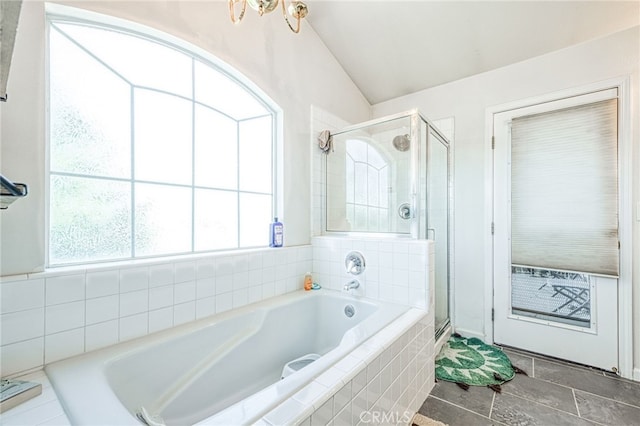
438 223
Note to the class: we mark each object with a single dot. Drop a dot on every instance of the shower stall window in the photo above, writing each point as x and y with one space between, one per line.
367 184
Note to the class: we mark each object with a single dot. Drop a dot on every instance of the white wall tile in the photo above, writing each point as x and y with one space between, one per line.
386 292
305 422
133 326
418 279
268 274
224 302
240 263
205 268
160 319
224 266
63 345
385 260
205 307
66 288
102 309
21 356
281 255
160 297
240 279
282 272
205 287
255 261
372 290
21 295
268 258
185 271
103 283
400 294
134 302
418 297
224 284
184 313
22 325
359 382
374 391
400 260
255 294
401 247
373 368
184 292
64 316
280 287
323 415
342 398
134 279
401 277
101 335
268 289
160 275
240 298
343 417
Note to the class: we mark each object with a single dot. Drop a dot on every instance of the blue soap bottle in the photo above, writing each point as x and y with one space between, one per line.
277 234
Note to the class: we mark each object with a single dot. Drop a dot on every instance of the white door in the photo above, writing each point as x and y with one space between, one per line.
543 302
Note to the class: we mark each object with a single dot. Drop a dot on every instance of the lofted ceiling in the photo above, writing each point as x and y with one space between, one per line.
392 48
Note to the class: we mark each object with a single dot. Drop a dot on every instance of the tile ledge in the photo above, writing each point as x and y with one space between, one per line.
132 263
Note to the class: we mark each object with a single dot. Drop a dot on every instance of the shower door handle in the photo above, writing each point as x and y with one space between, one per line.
432 230
404 211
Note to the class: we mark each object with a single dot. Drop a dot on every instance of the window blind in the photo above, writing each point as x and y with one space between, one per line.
564 196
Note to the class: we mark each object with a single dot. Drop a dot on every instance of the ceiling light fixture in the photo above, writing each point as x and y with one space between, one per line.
297 9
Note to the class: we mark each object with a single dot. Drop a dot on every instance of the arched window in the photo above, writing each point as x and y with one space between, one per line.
154 150
367 187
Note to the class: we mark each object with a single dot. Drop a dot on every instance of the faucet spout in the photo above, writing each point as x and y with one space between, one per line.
351 285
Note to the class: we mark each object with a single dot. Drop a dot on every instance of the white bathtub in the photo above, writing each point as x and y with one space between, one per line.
224 369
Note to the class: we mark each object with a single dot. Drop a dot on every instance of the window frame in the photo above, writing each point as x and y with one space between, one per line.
55 13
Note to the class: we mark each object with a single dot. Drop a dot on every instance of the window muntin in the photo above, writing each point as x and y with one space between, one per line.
153 150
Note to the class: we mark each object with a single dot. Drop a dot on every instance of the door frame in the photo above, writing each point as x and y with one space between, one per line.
625 210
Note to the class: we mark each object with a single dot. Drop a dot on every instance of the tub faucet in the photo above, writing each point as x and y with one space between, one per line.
351 285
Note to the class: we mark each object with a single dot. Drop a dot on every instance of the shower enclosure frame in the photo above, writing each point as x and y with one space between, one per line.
420 165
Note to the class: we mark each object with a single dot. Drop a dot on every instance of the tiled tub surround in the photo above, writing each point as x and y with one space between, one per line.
384 380
397 270
67 311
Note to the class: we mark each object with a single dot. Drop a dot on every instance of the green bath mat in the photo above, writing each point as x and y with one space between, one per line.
470 361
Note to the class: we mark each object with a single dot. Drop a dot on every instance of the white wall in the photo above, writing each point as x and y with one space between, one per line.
467 100
295 70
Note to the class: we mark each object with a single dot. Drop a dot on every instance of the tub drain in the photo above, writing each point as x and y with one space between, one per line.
349 311
298 364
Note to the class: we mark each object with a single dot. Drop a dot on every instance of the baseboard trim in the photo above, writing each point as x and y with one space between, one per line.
636 374
470 333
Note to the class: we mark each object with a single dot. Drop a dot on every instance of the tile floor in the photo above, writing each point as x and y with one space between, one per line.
555 393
